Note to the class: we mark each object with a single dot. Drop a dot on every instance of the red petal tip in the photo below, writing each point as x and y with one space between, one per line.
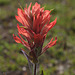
55 38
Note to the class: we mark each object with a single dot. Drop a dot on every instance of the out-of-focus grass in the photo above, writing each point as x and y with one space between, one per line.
11 58
4 2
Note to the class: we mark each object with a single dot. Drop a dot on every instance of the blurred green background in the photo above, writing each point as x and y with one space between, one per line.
58 60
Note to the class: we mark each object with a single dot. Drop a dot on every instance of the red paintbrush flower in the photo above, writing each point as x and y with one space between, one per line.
35 26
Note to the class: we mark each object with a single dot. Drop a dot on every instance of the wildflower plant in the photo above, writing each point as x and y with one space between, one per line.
35 23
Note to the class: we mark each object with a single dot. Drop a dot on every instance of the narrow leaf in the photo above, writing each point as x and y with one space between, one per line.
29 63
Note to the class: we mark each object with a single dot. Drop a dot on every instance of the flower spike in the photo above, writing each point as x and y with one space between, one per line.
35 24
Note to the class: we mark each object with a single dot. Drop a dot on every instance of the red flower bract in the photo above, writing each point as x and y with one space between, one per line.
35 26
